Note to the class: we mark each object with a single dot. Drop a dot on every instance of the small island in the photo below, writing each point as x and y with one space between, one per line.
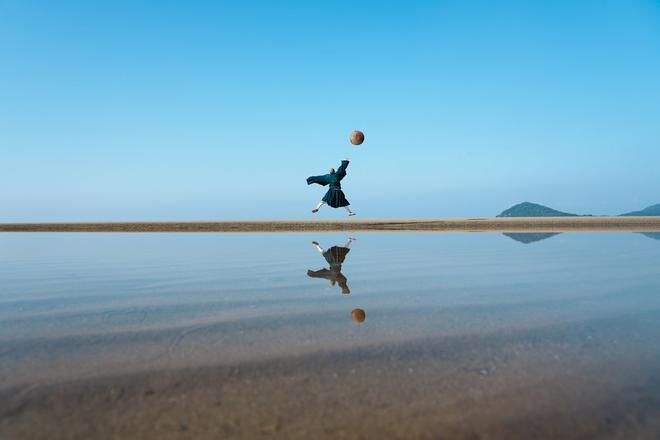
529 209
650 211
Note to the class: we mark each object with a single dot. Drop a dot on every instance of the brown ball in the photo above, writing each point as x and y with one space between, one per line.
358 315
356 137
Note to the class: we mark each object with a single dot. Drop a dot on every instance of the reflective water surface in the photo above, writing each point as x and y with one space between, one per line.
403 335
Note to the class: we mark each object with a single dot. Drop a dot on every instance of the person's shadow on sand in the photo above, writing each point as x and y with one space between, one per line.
335 257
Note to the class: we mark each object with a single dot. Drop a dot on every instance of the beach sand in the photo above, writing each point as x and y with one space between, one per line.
552 382
490 224
225 336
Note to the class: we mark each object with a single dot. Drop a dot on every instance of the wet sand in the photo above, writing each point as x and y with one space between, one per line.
490 224
551 382
469 336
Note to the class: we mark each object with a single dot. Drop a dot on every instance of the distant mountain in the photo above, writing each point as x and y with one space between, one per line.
528 209
650 211
530 237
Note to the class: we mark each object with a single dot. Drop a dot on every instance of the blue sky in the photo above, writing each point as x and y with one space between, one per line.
218 110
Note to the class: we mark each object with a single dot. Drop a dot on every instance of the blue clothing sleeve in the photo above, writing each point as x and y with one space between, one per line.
341 172
321 180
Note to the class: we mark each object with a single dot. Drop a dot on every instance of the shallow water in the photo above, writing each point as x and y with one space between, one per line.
227 335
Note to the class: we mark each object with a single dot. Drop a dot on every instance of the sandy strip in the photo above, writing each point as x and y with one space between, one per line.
517 224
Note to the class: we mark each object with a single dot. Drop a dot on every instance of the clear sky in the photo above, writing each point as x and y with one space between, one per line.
131 110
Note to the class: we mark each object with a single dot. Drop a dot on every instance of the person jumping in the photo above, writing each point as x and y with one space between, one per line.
335 257
335 196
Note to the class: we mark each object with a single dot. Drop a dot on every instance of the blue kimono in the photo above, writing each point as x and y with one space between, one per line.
335 196
335 257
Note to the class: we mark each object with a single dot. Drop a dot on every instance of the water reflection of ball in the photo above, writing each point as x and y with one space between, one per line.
358 315
356 137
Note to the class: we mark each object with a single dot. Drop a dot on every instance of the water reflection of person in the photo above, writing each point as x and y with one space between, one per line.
335 256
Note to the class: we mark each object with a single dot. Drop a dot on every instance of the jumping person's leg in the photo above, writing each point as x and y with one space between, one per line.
349 211
315 210
318 247
349 241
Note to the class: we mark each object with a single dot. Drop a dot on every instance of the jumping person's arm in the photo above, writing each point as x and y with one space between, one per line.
341 171
321 180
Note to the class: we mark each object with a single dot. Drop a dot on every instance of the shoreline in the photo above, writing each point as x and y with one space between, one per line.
483 224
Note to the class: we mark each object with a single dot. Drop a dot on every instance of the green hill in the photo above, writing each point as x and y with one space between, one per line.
528 209
650 211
